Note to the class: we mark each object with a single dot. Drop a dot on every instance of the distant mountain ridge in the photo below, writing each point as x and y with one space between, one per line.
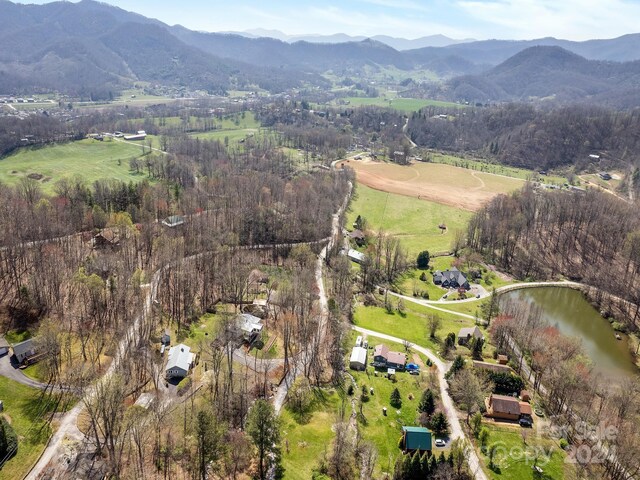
92 48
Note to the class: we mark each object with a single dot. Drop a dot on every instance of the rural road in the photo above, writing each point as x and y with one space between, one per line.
447 402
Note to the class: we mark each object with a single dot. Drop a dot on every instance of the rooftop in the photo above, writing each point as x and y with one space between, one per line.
180 356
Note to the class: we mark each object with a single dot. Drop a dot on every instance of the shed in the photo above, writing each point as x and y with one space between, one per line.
356 256
358 237
24 350
358 360
494 367
503 359
416 439
525 396
180 361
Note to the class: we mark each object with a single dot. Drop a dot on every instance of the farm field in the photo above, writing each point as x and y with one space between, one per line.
494 168
414 222
91 159
445 184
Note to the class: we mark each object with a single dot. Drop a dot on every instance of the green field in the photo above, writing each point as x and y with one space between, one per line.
412 325
515 459
23 409
414 222
406 105
90 159
494 168
308 441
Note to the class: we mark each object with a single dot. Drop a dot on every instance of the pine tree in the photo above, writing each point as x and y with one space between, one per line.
414 467
427 403
395 399
424 465
433 464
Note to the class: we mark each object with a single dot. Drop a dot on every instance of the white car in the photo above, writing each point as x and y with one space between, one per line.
440 442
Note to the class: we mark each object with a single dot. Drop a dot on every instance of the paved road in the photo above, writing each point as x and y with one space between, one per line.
447 402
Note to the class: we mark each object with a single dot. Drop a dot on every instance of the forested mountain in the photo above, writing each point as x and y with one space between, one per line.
94 49
90 48
551 72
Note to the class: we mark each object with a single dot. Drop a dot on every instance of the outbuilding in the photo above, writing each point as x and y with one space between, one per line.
358 360
180 361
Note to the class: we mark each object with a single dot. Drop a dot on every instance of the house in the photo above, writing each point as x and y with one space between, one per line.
180 361
507 408
355 256
465 335
107 238
358 237
173 221
250 325
416 439
4 345
383 358
358 360
494 367
23 351
453 278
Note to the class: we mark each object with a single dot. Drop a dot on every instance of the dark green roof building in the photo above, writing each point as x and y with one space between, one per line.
416 438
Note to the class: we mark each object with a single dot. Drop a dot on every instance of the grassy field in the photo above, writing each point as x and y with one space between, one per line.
24 411
415 222
90 159
494 168
412 325
406 105
309 440
515 460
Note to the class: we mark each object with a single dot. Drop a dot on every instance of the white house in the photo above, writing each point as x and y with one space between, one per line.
180 361
250 325
173 221
358 360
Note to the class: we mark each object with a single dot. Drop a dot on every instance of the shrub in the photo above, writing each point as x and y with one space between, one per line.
350 389
183 386
423 277
423 260
563 443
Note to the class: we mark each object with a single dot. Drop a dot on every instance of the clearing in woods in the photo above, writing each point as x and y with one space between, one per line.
445 184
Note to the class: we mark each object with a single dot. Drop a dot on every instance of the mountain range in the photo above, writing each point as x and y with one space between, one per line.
94 48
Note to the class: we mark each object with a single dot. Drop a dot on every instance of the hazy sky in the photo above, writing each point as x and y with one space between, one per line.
481 19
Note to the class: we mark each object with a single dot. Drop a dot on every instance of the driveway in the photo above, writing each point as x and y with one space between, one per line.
10 370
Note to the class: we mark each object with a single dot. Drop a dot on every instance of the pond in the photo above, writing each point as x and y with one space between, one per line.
571 313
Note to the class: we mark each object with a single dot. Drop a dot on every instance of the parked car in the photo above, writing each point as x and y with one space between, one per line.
525 422
440 442
414 372
412 366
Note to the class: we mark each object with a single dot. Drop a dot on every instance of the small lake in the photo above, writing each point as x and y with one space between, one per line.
569 311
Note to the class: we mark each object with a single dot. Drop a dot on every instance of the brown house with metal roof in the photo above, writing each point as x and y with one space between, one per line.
506 408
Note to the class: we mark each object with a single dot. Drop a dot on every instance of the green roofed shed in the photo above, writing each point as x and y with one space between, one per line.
416 438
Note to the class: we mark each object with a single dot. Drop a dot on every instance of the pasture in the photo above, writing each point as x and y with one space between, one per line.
90 159
440 183
415 222
406 105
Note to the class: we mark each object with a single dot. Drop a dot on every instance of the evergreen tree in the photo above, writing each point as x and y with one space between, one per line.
414 467
424 465
433 464
395 399
442 459
263 426
427 403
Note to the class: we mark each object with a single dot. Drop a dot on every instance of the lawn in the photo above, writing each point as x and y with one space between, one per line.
411 325
24 410
90 159
385 431
415 222
308 441
515 460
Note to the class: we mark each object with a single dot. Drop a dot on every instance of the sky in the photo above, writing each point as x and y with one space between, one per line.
461 19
